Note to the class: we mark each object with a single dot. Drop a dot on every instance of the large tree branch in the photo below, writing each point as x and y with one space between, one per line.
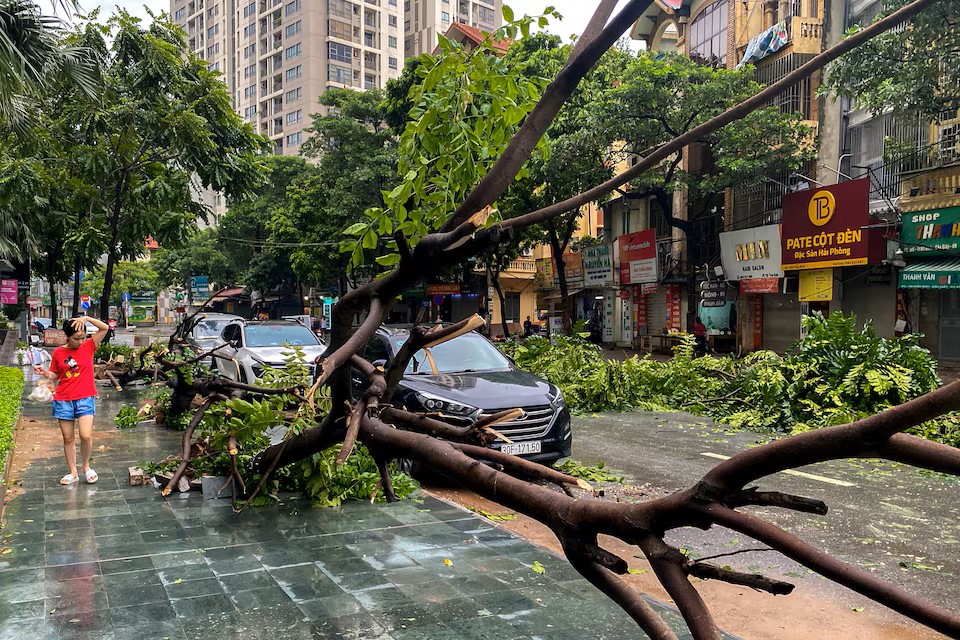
654 156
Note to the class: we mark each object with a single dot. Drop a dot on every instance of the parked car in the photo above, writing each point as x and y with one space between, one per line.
467 378
253 345
202 333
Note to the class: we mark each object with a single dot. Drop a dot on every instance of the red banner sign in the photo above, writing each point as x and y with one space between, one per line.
443 289
825 227
638 257
8 291
760 285
674 307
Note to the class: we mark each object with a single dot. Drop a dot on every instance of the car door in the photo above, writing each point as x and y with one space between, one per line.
226 357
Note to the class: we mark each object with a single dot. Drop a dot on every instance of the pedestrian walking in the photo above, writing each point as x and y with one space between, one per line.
74 400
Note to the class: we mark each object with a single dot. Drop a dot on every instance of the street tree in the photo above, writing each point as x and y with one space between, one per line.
128 277
448 231
204 253
163 125
353 155
246 231
913 70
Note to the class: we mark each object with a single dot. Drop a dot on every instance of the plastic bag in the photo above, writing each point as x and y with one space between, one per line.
39 356
41 393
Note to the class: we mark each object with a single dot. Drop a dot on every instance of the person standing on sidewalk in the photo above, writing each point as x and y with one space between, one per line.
74 399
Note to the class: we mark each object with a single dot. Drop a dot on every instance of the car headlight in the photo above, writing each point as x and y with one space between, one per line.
433 403
558 401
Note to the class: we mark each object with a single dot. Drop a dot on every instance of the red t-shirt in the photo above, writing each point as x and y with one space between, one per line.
75 370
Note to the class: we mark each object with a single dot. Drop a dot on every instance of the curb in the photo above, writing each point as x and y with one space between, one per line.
5 480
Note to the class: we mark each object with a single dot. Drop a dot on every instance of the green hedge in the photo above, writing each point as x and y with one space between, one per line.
11 393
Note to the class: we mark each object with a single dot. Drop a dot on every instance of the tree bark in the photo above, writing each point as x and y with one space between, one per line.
557 247
494 276
51 277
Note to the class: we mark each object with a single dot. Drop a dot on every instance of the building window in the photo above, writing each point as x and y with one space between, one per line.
406 25
250 92
293 95
292 29
444 17
393 3
249 30
392 63
213 67
392 21
511 306
369 82
340 52
250 51
291 8
368 39
250 10
295 116
485 15
336 73
392 42
292 52
294 139
213 50
295 72
214 30
178 15
708 35
250 71
406 5
250 111
213 11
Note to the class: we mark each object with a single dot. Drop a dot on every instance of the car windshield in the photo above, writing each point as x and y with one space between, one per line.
277 335
209 328
469 352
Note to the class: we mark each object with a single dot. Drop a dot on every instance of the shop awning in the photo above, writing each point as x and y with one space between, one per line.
931 274
555 294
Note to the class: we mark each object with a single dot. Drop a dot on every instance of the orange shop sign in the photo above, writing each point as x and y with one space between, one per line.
826 227
443 289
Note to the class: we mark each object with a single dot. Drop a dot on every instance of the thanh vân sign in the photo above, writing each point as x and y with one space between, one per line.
932 232
826 227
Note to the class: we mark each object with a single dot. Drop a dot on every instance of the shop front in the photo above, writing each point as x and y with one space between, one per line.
930 283
596 302
751 261
642 305
833 255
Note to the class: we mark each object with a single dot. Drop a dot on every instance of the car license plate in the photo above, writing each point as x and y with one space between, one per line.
521 448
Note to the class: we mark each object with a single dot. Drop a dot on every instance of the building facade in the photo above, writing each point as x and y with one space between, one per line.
424 20
278 56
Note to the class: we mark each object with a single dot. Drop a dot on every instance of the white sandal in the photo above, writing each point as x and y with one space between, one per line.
69 479
91 476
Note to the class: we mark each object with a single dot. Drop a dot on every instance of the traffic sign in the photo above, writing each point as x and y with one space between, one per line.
713 285
713 295
124 296
84 304
85 298
707 304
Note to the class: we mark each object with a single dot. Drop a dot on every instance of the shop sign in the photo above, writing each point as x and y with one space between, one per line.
200 288
8 291
608 316
624 294
649 289
638 257
816 285
573 269
825 227
947 276
751 253
545 279
443 289
933 232
54 337
598 265
674 307
760 285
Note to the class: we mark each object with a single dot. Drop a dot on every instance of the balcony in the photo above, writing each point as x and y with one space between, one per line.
525 266
806 34
931 189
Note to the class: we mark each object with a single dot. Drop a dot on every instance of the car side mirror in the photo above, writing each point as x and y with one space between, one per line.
234 342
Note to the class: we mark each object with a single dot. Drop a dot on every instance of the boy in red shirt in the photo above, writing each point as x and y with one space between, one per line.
73 401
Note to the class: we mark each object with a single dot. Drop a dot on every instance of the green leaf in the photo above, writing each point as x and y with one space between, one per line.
507 14
355 229
536 567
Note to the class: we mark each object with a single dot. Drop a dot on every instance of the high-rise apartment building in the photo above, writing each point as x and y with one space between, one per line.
278 56
424 20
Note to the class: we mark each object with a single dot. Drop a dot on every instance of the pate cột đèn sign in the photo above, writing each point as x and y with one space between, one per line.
826 227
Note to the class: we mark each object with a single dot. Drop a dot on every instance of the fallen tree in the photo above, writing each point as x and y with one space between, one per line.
427 244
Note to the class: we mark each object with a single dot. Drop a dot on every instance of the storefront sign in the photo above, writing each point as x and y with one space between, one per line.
443 289
573 269
608 316
816 285
54 337
674 307
624 294
649 289
8 291
638 257
760 285
545 279
598 266
200 288
935 274
751 253
934 232
825 227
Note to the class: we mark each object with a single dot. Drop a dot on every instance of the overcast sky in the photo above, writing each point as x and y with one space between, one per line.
575 13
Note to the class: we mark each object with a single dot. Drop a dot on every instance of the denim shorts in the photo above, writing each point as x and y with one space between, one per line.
73 409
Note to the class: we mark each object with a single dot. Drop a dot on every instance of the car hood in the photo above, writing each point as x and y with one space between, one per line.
275 355
503 389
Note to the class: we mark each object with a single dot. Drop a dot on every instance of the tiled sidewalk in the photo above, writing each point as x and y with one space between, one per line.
109 561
